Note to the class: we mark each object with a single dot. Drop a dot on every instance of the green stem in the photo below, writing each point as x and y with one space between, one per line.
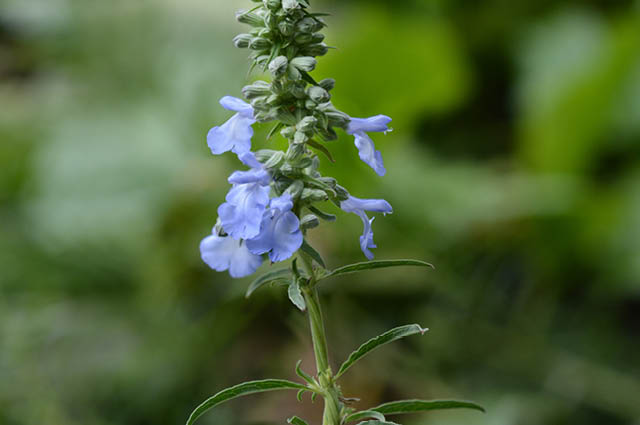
330 392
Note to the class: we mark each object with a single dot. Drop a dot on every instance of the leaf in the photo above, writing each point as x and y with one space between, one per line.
411 406
321 148
385 338
323 215
295 295
363 414
308 78
243 389
296 421
274 130
376 264
308 249
301 373
266 278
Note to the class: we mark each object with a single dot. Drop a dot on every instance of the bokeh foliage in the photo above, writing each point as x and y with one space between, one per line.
514 167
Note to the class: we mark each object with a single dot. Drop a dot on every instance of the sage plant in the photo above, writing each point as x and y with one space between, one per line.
273 200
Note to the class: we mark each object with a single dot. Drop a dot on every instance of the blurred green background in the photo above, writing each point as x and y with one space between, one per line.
514 167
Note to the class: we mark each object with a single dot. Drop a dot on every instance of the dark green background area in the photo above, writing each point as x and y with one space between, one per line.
514 167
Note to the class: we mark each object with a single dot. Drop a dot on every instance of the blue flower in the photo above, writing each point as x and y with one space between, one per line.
366 149
225 253
359 206
235 134
241 215
280 233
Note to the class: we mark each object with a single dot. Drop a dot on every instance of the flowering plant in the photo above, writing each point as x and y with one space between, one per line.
273 204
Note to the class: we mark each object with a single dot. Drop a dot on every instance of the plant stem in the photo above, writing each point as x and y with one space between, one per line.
332 403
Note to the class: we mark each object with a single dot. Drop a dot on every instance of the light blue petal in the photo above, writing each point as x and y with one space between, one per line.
226 253
366 240
368 153
242 213
262 243
378 123
354 205
244 262
287 237
252 176
234 135
280 235
237 105
282 203
249 159
216 252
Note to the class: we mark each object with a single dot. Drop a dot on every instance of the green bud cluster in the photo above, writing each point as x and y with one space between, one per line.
284 40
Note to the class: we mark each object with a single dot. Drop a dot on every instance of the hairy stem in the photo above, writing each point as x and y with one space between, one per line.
331 414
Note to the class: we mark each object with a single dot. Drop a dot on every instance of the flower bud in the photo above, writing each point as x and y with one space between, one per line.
263 155
343 195
309 25
275 160
272 5
289 5
278 66
295 189
304 63
328 84
257 89
241 41
293 73
249 18
300 137
320 49
259 43
338 119
303 38
318 94
288 132
317 38
307 124
328 134
271 21
313 195
309 221
286 28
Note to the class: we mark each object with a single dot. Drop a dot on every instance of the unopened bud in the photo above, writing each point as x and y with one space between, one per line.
318 94
275 160
278 66
259 43
288 132
272 4
309 221
250 18
328 84
289 5
296 189
313 195
307 124
304 63
319 49
257 89
241 41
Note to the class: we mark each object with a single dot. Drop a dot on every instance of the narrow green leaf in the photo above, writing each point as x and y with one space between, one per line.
308 78
385 338
301 373
376 264
299 395
274 130
364 414
243 389
411 406
321 148
323 215
308 249
296 421
266 278
295 294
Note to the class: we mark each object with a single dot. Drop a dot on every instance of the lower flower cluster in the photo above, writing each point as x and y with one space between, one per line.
260 215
